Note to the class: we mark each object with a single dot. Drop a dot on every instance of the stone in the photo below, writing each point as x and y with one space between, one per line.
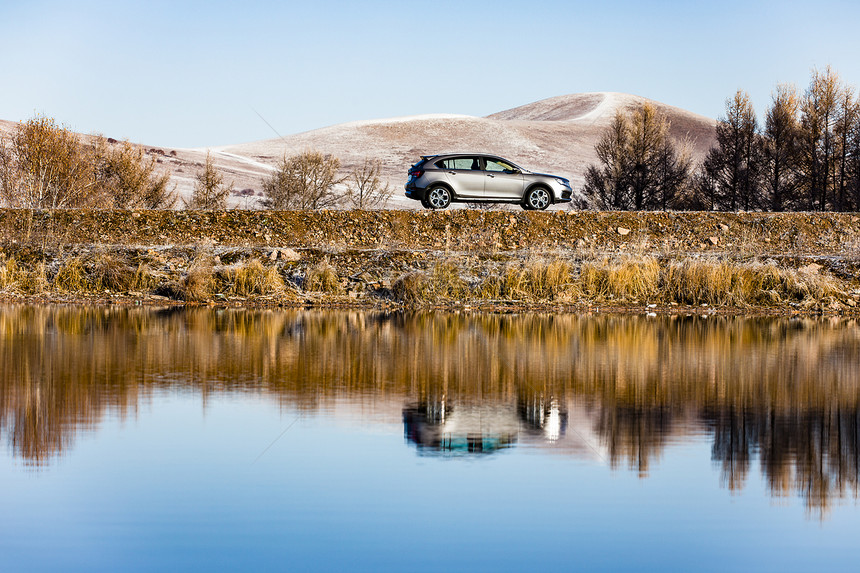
290 255
622 231
714 240
811 268
273 256
724 228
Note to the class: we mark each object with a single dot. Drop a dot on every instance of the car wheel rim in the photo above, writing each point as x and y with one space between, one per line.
438 198
539 199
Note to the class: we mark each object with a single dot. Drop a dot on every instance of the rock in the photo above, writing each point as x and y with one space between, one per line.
290 255
273 256
724 228
622 231
714 240
811 268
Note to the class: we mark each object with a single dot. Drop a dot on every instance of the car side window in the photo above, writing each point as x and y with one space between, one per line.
500 166
462 163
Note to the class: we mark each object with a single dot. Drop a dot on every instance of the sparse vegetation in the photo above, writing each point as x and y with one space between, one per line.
47 166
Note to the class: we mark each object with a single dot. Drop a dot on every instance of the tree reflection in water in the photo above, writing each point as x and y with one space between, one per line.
783 392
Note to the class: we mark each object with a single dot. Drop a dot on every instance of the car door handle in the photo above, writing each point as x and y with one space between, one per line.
488 175
452 173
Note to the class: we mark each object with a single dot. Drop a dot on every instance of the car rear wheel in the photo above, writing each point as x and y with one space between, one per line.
438 197
537 198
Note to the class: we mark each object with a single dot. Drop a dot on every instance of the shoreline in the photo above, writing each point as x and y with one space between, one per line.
756 264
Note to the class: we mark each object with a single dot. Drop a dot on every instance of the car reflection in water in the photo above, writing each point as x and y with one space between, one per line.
439 428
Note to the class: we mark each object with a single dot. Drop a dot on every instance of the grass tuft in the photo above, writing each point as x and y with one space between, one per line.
252 278
323 277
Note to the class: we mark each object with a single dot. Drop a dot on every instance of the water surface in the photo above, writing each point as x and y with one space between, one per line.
152 439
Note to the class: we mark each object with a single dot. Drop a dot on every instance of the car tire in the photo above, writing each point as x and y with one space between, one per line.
537 199
425 203
438 197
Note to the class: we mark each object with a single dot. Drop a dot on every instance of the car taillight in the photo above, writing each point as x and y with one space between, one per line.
416 173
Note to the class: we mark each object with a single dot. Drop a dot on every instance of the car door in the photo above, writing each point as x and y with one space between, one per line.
502 180
466 176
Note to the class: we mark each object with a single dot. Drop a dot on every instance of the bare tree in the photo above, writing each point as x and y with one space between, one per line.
641 167
819 113
210 192
734 164
781 133
365 190
303 181
607 185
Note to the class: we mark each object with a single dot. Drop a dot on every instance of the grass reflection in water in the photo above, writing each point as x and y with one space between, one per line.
785 392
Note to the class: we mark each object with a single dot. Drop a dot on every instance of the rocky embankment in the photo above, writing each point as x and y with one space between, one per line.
760 262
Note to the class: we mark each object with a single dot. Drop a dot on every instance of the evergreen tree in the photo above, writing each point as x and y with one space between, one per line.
210 192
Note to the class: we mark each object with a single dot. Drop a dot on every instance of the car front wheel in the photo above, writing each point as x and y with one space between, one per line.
537 198
439 197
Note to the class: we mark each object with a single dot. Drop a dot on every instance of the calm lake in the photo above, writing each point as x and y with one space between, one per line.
207 439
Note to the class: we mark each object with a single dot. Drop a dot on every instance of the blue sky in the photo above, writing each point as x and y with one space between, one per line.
193 73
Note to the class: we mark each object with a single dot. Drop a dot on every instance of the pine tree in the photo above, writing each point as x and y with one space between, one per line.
209 190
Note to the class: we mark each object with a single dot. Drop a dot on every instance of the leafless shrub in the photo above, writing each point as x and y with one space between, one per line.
303 181
365 189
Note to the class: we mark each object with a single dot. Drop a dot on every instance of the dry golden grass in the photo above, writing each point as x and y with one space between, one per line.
535 280
35 281
252 278
718 282
144 279
442 283
10 273
199 282
625 279
323 277
72 276
108 272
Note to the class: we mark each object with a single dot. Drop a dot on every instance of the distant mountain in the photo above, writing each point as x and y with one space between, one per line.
555 135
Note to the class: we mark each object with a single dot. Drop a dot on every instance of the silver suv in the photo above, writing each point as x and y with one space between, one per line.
437 180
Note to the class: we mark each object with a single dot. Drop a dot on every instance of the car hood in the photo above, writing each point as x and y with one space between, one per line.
548 175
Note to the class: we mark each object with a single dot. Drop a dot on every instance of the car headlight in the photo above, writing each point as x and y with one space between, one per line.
563 182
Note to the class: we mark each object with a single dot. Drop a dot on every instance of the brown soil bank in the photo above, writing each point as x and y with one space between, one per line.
793 262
